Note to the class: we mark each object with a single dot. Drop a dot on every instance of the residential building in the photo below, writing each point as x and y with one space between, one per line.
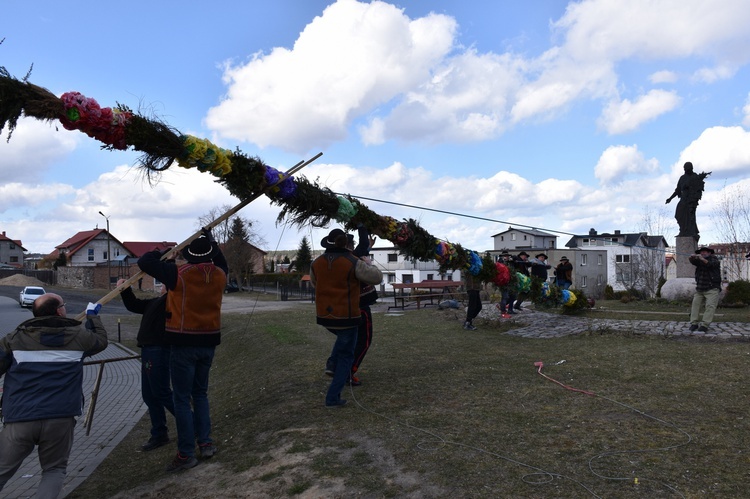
11 251
90 248
517 239
397 268
734 260
634 260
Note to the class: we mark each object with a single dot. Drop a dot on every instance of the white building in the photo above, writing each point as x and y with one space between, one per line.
397 268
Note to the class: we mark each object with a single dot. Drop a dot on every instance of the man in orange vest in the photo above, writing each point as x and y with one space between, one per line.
193 329
337 275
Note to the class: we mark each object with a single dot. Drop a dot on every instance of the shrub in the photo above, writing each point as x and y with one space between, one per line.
738 292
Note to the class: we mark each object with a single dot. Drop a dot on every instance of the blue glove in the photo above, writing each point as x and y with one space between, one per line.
93 308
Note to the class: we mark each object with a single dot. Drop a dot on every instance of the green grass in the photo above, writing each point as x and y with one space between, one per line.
445 412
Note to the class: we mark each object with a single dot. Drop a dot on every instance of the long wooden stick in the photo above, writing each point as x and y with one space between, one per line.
115 292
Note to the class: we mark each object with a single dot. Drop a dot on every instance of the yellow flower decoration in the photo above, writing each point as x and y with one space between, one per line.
202 154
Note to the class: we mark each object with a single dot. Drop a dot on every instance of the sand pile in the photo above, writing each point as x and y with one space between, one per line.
21 280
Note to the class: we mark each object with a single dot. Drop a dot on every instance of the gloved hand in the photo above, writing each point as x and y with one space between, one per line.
208 234
93 308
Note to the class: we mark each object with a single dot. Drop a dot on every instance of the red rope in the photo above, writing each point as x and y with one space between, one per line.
539 366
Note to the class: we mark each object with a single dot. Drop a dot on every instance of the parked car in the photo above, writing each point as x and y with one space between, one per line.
29 294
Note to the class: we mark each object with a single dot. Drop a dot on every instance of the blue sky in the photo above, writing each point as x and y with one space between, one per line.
560 116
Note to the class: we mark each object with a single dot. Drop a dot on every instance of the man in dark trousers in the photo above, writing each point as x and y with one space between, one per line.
337 276
193 330
155 386
42 361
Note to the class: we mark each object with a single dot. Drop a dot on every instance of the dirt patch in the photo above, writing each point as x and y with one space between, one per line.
21 280
286 471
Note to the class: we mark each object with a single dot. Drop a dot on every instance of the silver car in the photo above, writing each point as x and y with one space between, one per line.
29 294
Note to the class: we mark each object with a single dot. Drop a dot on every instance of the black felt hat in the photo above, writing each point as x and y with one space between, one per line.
200 250
329 241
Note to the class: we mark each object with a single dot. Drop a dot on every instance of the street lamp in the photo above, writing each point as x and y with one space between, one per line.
109 254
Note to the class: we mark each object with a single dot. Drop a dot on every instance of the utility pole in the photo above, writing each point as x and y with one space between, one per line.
109 254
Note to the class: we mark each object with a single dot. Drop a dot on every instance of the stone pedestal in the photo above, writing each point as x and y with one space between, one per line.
686 246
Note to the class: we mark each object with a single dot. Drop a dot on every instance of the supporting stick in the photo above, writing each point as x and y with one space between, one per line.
186 242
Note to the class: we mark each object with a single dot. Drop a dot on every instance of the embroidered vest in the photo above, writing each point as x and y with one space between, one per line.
194 306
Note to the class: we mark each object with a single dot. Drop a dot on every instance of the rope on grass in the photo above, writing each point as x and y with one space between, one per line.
539 365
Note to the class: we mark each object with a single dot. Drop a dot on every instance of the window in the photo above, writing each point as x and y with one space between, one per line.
391 278
599 280
502 238
14 259
513 237
599 260
430 277
91 254
12 246
551 244
610 241
392 257
584 259
407 279
104 255
622 258
583 281
586 241
524 237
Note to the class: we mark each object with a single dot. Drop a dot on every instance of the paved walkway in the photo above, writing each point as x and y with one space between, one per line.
118 408
533 324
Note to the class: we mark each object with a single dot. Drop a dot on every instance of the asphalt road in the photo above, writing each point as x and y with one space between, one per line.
12 314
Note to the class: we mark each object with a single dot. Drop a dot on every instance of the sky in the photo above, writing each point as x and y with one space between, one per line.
560 116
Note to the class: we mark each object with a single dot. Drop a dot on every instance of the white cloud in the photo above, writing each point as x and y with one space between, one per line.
351 59
723 150
625 116
33 147
711 75
617 162
663 77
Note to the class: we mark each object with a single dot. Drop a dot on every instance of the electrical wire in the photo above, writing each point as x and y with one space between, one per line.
532 227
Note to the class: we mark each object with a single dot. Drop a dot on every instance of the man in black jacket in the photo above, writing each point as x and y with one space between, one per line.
155 387
707 287
42 361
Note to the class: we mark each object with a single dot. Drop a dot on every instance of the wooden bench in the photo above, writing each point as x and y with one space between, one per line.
433 290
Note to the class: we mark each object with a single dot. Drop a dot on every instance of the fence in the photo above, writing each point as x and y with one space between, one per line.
46 276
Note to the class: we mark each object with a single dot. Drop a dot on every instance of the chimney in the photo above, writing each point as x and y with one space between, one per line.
617 232
592 232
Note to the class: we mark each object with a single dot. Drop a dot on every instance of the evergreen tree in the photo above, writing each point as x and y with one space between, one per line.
304 257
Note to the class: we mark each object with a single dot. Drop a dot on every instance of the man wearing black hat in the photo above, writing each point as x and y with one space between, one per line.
522 265
193 329
707 287
564 273
337 276
539 267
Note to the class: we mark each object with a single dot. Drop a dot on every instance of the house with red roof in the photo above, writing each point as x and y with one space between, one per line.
90 248
11 251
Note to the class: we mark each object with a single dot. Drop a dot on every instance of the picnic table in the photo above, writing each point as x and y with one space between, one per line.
435 290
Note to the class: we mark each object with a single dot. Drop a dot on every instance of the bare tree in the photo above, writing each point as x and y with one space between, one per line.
223 231
644 267
731 220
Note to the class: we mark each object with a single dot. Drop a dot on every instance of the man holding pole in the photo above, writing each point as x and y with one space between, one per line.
42 361
337 275
193 329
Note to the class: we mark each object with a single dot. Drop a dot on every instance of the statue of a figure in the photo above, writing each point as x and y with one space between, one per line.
689 190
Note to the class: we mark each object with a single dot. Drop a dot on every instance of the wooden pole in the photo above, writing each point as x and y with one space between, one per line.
118 289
